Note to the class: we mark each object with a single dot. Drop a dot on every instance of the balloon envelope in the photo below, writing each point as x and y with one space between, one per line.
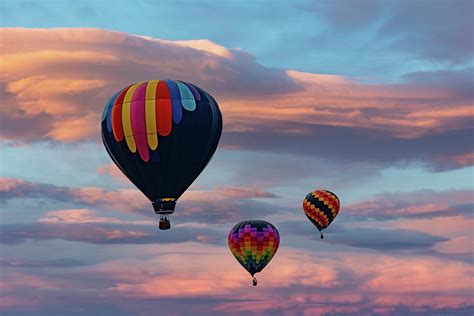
161 134
253 243
321 207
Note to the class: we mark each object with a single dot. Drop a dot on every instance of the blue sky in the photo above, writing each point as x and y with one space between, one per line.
374 41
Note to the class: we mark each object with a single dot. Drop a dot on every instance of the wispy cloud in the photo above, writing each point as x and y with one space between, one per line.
221 204
423 204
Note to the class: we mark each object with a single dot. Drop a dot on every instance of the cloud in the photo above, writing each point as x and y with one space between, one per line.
386 239
122 199
458 245
32 263
18 233
413 27
208 280
112 170
51 97
15 283
47 78
413 205
304 281
361 236
105 234
443 236
228 192
459 82
81 216
218 205
450 226
345 17
356 145
83 225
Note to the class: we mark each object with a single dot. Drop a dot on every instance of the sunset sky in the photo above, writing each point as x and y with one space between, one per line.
372 100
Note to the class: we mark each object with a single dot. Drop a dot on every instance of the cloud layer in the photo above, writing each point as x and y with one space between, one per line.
295 282
57 84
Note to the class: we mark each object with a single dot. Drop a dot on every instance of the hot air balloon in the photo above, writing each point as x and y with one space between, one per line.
321 207
253 243
161 134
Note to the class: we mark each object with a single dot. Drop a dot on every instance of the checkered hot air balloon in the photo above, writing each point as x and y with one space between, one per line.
161 134
253 243
321 207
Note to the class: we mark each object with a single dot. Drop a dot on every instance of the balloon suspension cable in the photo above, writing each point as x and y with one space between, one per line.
322 236
254 281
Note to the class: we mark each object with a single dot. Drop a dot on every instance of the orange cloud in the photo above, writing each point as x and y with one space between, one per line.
63 77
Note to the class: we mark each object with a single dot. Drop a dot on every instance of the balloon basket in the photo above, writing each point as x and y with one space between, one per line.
164 222
254 282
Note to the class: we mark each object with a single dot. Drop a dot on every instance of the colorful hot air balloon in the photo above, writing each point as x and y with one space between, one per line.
253 244
321 208
161 134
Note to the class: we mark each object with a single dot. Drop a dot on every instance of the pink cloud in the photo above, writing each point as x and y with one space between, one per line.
123 199
458 228
227 277
113 171
296 281
302 278
14 285
413 204
50 87
81 216
416 276
465 159
7 184
450 226
458 245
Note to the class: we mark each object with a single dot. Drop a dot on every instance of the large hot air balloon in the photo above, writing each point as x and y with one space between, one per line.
161 134
321 208
253 244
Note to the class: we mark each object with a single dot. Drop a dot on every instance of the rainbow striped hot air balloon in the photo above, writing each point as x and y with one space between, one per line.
253 243
161 134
